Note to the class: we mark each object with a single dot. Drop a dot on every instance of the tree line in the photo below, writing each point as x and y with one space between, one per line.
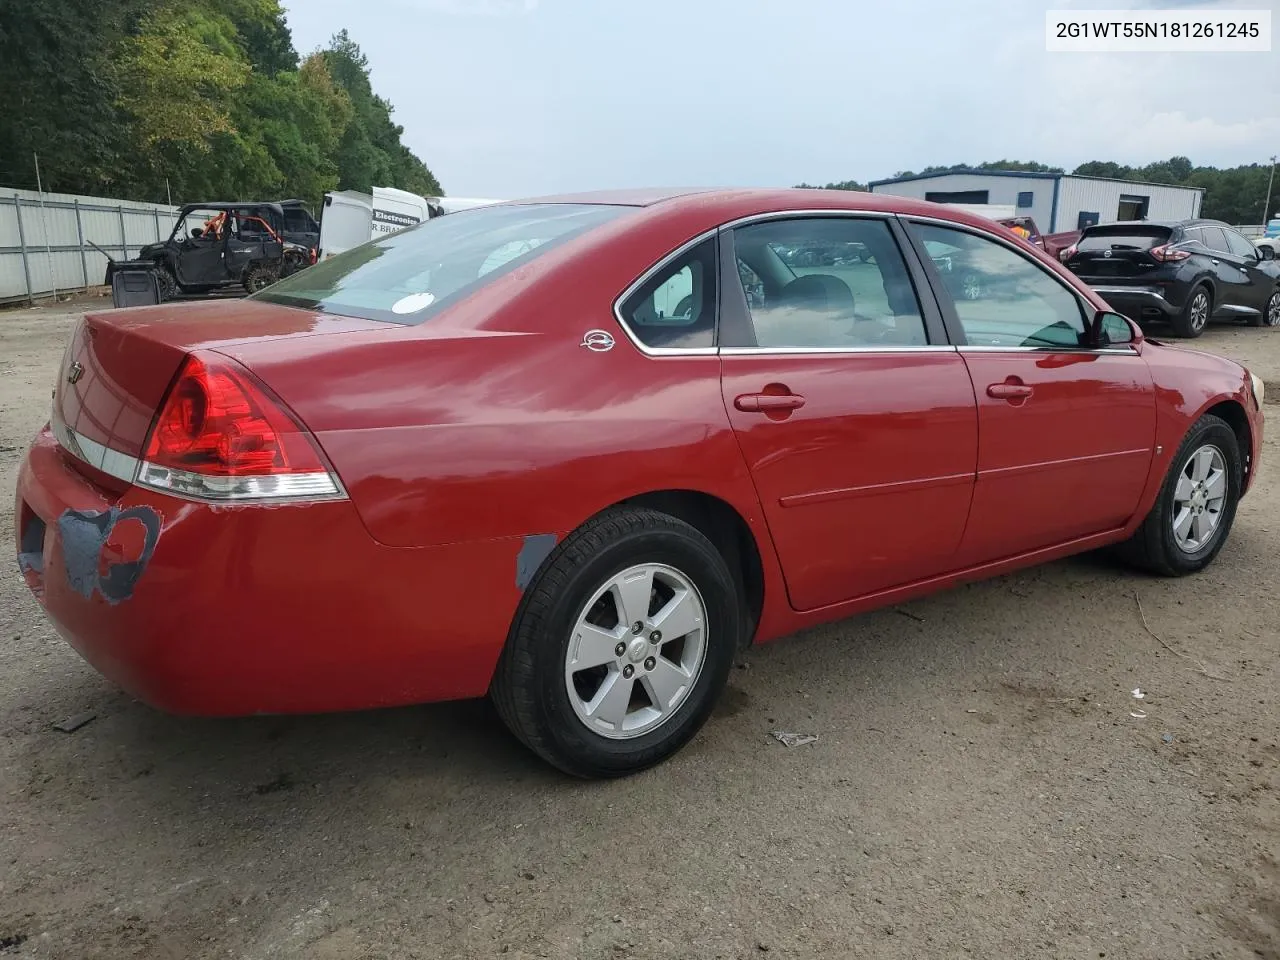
190 99
1234 194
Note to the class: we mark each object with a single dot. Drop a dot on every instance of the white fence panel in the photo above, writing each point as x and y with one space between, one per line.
45 239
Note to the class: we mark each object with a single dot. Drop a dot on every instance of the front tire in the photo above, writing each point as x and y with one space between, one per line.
1196 507
166 282
621 645
1190 323
1270 316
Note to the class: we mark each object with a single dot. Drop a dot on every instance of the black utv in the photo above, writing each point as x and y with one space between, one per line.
219 245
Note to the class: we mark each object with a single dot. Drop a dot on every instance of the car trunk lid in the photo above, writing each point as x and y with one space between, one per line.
1118 251
119 364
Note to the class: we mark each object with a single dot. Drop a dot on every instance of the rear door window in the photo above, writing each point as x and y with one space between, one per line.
408 276
1216 239
827 283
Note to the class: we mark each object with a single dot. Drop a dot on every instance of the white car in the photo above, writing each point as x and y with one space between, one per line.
1270 238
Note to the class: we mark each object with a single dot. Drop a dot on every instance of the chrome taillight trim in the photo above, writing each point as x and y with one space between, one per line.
317 485
97 455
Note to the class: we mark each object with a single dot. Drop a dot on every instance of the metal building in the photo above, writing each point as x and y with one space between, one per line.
1057 201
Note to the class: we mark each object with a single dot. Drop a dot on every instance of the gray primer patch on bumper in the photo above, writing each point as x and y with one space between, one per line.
85 532
532 553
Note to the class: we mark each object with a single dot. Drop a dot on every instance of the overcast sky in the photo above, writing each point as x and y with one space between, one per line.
511 98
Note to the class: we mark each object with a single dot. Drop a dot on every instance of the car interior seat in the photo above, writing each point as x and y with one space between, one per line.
804 311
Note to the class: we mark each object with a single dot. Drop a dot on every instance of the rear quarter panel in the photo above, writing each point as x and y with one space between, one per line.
491 420
1188 384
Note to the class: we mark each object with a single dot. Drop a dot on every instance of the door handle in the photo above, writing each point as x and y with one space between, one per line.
1009 391
767 402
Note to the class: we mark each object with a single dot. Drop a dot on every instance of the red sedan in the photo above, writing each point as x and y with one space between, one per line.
577 452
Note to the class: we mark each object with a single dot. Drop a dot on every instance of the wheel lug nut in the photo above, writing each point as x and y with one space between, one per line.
620 649
637 628
649 663
655 637
628 671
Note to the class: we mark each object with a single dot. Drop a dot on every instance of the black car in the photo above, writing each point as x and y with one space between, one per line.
1186 272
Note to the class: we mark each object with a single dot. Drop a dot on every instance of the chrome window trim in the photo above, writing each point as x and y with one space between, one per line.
979 348
644 278
1149 291
819 351
701 238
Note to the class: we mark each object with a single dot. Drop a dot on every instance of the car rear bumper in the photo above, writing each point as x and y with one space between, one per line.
1137 302
243 610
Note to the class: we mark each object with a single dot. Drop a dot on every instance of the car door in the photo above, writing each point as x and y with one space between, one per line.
855 417
1248 263
200 261
1231 284
1065 430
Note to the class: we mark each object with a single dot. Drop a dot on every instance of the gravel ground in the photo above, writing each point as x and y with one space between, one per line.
980 786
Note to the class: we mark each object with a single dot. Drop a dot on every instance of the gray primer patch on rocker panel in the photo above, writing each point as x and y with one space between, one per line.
532 553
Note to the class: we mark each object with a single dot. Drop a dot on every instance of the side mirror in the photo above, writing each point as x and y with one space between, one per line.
1265 253
1114 330
196 233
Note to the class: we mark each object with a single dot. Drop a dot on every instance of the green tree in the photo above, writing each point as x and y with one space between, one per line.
371 153
177 77
841 185
60 92
205 98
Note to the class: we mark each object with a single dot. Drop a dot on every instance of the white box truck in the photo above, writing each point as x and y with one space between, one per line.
350 218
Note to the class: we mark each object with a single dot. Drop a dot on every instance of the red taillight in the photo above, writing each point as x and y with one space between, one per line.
1067 254
220 435
314 255
1168 253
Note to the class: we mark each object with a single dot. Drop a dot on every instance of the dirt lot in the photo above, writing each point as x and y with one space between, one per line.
980 787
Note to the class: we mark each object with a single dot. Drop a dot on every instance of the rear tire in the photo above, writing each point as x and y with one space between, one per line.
1166 543
554 694
259 278
1193 319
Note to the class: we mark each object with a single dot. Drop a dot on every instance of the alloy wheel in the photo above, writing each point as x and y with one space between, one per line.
1199 498
636 650
1273 310
1199 310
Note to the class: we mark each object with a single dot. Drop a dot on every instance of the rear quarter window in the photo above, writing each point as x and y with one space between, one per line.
408 276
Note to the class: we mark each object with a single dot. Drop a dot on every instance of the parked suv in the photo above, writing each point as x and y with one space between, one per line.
1186 272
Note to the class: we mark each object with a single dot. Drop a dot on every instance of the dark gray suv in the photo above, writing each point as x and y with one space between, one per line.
1186 272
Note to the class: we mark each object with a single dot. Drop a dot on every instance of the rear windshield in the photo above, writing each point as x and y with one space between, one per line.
1123 236
406 277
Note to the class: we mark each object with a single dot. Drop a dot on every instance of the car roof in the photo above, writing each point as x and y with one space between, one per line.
734 201
1166 224
627 197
